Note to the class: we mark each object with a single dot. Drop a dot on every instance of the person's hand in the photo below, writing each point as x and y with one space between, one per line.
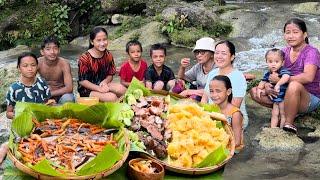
185 93
277 88
269 90
274 77
185 62
104 89
260 92
51 102
103 83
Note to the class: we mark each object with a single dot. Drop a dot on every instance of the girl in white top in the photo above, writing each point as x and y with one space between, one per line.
223 58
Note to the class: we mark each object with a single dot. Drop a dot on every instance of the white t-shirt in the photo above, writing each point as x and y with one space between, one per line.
196 74
239 88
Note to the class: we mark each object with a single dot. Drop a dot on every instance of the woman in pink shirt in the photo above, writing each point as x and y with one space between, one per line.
303 61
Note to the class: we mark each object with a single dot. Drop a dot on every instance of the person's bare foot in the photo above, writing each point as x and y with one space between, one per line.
3 151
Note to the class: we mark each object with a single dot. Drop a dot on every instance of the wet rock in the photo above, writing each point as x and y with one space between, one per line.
148 34
14 51
310 123
307 8
275 139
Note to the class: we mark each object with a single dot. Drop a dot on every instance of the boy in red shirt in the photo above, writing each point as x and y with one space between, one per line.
135 66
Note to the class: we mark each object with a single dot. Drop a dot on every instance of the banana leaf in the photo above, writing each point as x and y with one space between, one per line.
103 114
104 160
214 158
136 84
45 167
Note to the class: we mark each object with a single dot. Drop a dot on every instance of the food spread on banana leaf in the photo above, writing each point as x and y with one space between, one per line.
183 135
69 143
149 122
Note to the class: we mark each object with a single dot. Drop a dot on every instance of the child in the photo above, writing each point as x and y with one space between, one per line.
96 69
274 58
29 88
221 94
135 66
159 76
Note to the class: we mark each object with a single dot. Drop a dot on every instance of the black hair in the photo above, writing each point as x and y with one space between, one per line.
230 45
94 33
300 23
26 55
226 82
133 43
50 39
275 50
158 46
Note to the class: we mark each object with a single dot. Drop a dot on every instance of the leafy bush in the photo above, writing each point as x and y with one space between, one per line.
59 16
220 29
187 36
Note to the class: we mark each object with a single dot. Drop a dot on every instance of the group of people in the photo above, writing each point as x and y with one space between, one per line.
290 86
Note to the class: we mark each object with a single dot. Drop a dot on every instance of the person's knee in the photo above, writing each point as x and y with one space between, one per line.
170 84
66 98
158 85
253 91
112 97
294 87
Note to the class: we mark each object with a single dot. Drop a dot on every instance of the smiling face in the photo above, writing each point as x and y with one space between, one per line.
294 36
50 52
274 61
218 92
158 57
100 42
28 67
135 53
222 56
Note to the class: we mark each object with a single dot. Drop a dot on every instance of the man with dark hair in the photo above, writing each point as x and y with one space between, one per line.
56 71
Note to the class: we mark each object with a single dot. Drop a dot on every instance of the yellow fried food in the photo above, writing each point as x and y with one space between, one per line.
194 135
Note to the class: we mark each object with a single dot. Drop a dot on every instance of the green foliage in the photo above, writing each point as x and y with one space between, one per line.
59 16
130 24
175 23
179 32
187 36
220 29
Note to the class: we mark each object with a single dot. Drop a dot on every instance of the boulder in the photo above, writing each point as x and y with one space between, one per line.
14 51
81 41
275 139
244 23
117 19
196 13
148 34
118 6
307 8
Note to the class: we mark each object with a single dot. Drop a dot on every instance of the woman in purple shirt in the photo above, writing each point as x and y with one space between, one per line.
303 61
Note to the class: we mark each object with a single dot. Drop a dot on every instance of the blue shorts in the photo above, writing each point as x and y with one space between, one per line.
314 103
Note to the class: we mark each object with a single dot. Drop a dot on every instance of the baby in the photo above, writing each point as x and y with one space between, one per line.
274 58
